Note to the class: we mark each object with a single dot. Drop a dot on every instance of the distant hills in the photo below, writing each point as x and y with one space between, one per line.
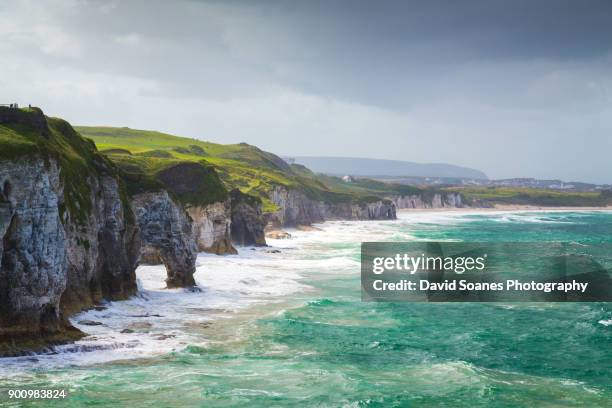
378 167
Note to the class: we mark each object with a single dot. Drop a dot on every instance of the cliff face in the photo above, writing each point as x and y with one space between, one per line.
437 200
166 233
376 210
295 208
68 236
33 273
194 186
212 227
53 265
103 252
247 225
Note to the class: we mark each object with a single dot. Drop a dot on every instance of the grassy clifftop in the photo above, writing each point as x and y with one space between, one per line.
532 196
256 172
242 166
29 133
200 172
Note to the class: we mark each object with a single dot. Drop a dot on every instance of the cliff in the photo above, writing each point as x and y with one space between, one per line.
296 208
198 187
212 227
33 274
247 225
375 209
68 234
308 197
429 200
194 186
102 252
290 195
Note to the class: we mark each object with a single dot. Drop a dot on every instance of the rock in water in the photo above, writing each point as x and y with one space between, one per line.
90 323
278 234
166 230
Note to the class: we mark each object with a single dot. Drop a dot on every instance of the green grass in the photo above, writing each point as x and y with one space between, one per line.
242 166
77 157
531 196
256 172
149 161
192 182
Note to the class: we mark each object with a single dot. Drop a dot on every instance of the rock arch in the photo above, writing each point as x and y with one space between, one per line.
166 236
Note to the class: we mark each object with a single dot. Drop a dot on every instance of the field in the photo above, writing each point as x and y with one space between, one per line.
532 196
242 166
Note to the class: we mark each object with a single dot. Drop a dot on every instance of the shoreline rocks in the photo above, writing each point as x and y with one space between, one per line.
278 234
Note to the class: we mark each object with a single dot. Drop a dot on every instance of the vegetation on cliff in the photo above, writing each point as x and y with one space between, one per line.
28 132
150 161
192 182
65 211
532 196
257 172
242 166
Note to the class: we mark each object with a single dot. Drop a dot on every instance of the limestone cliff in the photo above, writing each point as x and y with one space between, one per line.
247 225
166 233
33 274
196 187
296 208
102 253
212 227
68 236
429 200
373 210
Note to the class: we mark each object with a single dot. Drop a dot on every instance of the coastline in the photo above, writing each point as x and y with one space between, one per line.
265 320
505 208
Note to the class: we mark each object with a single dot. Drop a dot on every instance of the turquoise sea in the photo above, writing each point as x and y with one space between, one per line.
289 329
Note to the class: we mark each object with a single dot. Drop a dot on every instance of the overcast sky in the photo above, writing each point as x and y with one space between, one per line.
513 88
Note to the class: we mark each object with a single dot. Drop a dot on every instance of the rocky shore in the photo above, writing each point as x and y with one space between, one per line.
74 226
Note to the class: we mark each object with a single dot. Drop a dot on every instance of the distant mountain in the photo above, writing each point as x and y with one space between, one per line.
379 167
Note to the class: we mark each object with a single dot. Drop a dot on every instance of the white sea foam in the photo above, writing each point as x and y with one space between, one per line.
162 320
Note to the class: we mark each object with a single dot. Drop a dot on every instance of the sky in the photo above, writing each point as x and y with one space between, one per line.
513 88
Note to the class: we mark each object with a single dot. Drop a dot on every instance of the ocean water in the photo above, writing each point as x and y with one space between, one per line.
289 329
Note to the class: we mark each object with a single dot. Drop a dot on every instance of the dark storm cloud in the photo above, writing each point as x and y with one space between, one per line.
516 88
378 52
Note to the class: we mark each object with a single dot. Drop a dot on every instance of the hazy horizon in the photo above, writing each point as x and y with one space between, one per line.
516 89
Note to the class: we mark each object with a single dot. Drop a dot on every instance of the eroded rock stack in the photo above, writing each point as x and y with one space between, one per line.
167 236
